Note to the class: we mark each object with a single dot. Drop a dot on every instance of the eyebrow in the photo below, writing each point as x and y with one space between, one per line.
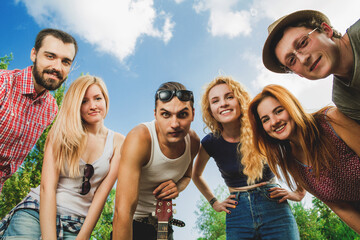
53 54
226 94
263 117
182 110
274 110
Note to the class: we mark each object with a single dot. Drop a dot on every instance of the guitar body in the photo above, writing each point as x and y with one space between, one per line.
164 213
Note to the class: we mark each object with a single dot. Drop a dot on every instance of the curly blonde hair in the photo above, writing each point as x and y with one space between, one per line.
252 162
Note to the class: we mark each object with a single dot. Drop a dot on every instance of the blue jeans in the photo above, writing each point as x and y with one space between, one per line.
257 216
25 224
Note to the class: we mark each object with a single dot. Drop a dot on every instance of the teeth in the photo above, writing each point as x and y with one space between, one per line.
280 128
226 111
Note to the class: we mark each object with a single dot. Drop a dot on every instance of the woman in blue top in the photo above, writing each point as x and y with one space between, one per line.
257 207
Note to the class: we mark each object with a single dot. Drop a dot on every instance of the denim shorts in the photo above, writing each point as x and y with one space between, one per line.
25 224
257 216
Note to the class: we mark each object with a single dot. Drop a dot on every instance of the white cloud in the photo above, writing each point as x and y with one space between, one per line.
341 20
112 26
223 21
231 18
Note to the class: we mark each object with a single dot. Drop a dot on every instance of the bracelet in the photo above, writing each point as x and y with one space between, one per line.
212 201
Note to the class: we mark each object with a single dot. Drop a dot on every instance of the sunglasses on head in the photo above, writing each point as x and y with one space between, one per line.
88 173
167 95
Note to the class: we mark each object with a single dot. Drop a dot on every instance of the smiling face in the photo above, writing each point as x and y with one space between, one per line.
275 119
93 106
173 120
318 59
224 106
52 63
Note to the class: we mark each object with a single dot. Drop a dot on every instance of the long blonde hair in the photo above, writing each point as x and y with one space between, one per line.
68 134
316 147
253 163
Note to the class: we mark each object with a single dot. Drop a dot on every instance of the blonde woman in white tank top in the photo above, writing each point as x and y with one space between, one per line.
80 167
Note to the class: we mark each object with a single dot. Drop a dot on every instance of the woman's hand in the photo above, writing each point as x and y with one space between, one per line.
284 194
227 203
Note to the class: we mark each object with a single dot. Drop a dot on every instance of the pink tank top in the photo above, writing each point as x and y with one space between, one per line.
342 181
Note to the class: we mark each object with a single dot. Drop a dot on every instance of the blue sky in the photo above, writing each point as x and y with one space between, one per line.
137 45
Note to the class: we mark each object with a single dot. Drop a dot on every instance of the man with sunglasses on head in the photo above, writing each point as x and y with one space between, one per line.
26 106
156 163
305 43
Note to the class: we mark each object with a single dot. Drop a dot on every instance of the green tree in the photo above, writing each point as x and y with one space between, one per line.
211 224
5 61
320 223
332 227
307 221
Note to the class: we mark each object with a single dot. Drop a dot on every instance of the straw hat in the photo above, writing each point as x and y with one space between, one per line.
269 59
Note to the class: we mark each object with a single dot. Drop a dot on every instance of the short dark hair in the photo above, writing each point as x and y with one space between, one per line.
59 34
172 86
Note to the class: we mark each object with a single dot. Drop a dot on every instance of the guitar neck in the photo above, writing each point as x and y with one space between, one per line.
163 213
162 233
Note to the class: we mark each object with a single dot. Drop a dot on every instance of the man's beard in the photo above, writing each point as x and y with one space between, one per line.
49 83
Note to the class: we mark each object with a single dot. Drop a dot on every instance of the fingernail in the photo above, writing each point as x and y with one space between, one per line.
233 206
229 212
236 203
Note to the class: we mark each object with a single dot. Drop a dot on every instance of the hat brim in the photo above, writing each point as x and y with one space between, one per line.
270 60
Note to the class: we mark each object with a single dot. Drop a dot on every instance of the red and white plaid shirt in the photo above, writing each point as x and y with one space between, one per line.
23 118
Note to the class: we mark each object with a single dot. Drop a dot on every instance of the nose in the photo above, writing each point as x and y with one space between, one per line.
273 120
57 64
92 104
223 102
175 122
303 57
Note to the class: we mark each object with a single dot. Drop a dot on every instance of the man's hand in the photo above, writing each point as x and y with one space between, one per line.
166 190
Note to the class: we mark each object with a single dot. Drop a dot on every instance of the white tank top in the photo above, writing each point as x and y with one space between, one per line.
69 201
159 169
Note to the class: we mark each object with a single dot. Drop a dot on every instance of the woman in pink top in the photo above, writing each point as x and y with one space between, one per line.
320 151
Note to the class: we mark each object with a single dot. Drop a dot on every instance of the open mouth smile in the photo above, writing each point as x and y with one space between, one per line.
279 129
225 112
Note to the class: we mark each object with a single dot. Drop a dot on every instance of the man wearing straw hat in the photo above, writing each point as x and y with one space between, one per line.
305 43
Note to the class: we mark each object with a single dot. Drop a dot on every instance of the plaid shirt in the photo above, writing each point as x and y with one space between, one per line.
24 115
71 223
